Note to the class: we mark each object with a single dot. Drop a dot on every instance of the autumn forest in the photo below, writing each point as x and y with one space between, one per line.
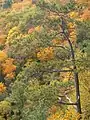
44 59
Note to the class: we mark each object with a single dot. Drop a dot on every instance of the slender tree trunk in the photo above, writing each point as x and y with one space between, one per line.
77 92
75 70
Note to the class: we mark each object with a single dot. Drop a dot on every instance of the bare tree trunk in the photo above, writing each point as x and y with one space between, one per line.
75 70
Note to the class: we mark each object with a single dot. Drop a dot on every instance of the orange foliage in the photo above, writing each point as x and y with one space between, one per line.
83 1
37 29
11 75
54 117
2 39
52 110
31 30
73 36
2 87
21 5
3 56
58 42
86 14
8 68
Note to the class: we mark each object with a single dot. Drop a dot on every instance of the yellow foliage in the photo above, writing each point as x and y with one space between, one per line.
68 115
71 25
5 109
80 19
66 76
73 36
29 61
45 54
85 13
3 56
73 14
72 31
14 31
38 28
2 87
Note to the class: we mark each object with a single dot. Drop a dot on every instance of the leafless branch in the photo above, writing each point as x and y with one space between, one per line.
62 102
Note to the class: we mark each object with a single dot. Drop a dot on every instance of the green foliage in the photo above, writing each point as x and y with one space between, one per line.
32 100
39 113
36 88
83 31
5 109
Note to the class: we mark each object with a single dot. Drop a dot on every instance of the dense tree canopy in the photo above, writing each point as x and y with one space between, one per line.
44 60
